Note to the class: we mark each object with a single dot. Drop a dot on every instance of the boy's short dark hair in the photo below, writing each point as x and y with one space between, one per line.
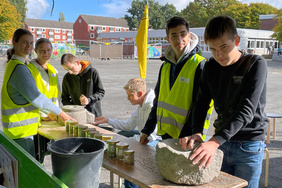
67 58
218 26
174 22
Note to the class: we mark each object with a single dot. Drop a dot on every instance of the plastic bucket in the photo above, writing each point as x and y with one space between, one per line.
77 161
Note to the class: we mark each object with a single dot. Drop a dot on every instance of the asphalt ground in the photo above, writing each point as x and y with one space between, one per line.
115 74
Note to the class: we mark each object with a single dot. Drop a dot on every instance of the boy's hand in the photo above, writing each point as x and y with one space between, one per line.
100 119
204 152
144 139
83 100
52 116
64 117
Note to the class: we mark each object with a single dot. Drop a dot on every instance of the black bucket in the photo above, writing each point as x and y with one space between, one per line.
77 161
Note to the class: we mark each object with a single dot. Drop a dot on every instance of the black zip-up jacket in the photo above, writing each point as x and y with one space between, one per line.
175 70
239 94
87 83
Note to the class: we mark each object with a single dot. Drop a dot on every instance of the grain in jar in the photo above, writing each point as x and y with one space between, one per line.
81 130
120 148
112 147
71 124
128 156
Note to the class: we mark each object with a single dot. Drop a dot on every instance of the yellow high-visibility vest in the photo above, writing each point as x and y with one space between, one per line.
18 120
53 92
174 104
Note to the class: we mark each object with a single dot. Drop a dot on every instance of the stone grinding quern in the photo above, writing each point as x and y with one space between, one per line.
174 164
79 113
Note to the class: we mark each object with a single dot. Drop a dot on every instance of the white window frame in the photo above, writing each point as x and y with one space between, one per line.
92 35
57 36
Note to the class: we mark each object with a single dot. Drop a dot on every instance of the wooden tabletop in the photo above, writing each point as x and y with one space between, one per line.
144 171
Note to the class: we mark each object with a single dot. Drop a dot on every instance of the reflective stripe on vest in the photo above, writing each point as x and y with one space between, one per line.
207 121
172 111
53 92
18 120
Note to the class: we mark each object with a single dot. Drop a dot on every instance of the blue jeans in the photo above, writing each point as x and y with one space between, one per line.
128 184
244 160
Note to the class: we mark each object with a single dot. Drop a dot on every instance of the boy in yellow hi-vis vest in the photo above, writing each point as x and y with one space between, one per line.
177 84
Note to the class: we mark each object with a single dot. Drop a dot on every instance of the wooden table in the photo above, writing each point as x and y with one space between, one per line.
144 171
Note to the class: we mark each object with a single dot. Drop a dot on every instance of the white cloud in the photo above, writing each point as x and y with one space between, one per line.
37 8
117 8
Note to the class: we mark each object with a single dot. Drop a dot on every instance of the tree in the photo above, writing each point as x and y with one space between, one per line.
199 12
61 17
158 14
278 27
21 8
9 20
247 16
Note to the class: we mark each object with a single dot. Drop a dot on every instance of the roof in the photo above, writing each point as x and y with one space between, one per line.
48 23
105 21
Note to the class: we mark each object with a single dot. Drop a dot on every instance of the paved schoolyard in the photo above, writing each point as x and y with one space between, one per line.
116 73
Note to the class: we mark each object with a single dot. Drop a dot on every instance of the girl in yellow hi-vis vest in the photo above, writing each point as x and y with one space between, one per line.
45 75
20 98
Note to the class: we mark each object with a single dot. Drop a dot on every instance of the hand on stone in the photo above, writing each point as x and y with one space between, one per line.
144 139
184 142
100 119
83 100
64 117
204 153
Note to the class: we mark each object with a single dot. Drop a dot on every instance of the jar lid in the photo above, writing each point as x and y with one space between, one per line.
91 129
112 141
83 127
71 122
128 152
122 145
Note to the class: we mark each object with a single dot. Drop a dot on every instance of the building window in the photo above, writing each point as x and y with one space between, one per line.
43 36
57 31
32 29
92 28
43 30
79 20
64 37
117 29
92 42
92 35
104 28
64 31
57 36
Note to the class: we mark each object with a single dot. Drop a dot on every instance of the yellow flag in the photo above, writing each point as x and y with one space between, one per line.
141 43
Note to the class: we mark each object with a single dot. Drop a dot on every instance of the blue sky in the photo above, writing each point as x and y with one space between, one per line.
41 9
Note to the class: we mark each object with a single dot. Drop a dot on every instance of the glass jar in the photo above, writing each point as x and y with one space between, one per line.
91 134
128 156
75 130
71 124
106 137
112 147
98 136
120 148
90 129
81 130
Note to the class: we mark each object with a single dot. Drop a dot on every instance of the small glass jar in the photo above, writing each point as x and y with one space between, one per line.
112 147
120 148
75 130
128 156
106 137
71 124
98 136
90 129
91 134
80 129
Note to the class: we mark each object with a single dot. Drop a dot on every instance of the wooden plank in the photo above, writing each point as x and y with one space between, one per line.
30 172
144 171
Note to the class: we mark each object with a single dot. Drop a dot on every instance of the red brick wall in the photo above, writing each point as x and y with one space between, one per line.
267 24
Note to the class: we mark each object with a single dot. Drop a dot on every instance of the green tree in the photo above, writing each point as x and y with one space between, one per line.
278 27
199 12
158 14
21 8
247 16
9 20
61 17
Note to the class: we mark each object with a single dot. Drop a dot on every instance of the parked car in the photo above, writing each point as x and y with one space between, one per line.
3 50
79 51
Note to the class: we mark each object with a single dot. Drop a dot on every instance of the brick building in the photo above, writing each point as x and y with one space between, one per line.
55 31
88 28
267 22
